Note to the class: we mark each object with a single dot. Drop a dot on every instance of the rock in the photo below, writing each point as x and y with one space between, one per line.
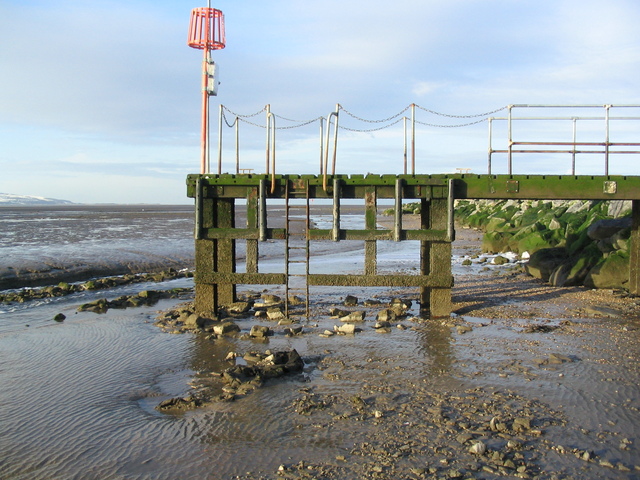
462 329
354 317
350 301
179 403
619 208
259 331
543 262
603 312
60 317
386 315
337 312
382 324
293 331
270 299
560 275
466 262
399 302
97 306
348 328
194 321
500 260
226 328
611 272
521 424
478 448
603 229
275 314
295 300
238 307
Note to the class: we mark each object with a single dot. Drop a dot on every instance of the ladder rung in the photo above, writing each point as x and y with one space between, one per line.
297 274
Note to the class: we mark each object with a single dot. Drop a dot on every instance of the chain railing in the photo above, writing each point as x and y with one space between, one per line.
603 146
409 123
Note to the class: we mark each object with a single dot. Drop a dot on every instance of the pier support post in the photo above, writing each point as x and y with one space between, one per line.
435 258
252 222
634 249
370 246
215 255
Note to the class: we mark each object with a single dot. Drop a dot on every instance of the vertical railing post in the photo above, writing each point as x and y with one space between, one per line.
573 152
490 145
268 113
606 140
413 139
322 172
510 140
219 140
335 141
237 145
404 155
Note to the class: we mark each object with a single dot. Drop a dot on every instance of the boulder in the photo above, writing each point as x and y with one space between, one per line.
226 328
611 272
543 262
354 317
194 321
619 208
238 307
607 228
259 331
387 315
275 314
338 312
351 301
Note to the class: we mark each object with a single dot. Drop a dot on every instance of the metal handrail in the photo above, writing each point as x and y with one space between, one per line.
271 147
326 147
606 144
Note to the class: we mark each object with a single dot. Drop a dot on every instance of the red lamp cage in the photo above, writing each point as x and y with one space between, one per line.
206 29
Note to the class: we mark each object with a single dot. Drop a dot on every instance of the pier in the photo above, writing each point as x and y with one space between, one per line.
218 228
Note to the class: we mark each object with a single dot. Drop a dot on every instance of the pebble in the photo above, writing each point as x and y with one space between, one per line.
478 448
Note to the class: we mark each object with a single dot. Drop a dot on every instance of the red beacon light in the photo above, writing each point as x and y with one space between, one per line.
206 29
206 33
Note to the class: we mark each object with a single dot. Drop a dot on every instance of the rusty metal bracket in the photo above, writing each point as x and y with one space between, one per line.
610 187
513 186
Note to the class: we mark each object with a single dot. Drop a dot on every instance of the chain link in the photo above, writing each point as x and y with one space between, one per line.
452 126
299 123
371 129
264 109
373 121
486 114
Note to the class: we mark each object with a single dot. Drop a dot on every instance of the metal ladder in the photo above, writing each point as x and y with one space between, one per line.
297 223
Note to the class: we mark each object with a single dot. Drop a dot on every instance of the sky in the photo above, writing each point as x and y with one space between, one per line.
100 101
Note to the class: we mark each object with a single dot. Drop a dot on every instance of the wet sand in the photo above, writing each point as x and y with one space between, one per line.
523 381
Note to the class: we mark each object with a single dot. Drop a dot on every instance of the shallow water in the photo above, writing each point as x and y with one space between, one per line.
78 398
